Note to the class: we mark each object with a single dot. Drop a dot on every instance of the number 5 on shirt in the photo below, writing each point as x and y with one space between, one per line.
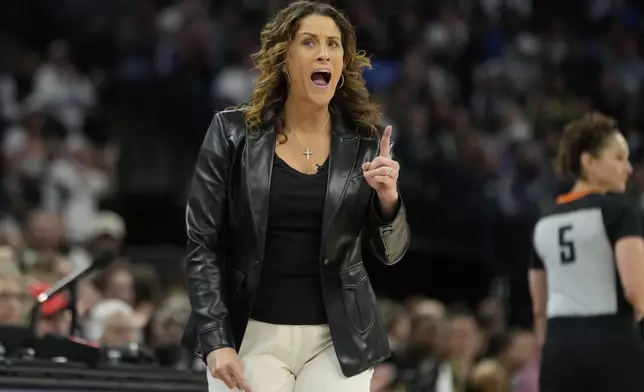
566 246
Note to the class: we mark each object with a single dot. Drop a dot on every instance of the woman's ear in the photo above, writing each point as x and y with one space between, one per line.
586 160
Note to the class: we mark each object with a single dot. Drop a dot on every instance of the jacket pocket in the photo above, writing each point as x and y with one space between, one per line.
357 296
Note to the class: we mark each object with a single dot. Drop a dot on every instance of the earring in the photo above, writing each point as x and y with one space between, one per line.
341 82
288 77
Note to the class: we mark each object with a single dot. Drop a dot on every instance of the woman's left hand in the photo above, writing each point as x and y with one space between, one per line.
382 173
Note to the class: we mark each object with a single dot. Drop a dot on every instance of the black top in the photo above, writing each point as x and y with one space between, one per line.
575 244
290 284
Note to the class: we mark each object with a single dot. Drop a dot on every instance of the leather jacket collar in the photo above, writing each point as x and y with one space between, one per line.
261 152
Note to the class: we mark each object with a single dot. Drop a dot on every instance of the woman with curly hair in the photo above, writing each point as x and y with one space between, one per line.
288 191
587 272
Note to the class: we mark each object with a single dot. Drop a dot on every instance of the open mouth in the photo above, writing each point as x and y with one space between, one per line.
321 78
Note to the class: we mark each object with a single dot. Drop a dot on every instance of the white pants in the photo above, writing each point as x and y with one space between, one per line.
288 358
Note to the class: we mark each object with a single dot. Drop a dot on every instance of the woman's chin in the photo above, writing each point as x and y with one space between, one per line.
618 188
320 95
320 100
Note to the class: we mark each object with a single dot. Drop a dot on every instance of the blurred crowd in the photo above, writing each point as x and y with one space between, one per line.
104 99
445 349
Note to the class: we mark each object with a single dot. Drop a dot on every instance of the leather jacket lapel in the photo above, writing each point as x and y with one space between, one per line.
344 149
260 153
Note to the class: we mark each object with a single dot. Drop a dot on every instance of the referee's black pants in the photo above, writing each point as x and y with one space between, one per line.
592 354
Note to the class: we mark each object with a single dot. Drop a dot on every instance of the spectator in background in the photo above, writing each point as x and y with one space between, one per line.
166 328
88 297
108 232
44 232
464 347
11 298
628 64
420 306
147 293
117 282
397 321
527 379
73 187
11 235
501 373
493 320
26 152
64 92
137 285
235 82
15 85
12 292
49 267
111 324
425 367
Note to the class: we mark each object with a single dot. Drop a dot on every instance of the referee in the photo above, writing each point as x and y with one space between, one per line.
587 273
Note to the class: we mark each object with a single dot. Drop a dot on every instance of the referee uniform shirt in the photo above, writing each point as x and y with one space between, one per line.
592 343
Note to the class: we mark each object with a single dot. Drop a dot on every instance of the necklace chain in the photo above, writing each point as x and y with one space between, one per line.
306 151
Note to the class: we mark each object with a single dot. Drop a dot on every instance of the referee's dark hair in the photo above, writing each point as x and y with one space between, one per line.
586 134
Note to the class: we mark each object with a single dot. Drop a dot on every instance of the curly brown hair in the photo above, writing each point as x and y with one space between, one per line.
589 134
266 103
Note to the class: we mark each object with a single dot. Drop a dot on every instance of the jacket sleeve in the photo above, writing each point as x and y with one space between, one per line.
207 228
387 241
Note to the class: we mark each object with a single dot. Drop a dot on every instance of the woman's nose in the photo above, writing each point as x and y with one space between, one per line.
324 53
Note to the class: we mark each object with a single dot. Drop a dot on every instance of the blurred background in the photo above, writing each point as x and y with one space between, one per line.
104 103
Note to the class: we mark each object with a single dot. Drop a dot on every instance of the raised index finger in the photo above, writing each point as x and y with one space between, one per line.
385 147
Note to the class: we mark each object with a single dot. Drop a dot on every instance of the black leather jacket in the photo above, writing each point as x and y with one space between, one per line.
226 223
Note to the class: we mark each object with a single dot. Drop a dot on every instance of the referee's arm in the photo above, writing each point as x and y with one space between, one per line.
627 232
539 293
629 254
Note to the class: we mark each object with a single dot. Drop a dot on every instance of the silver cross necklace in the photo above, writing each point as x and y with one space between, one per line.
306 151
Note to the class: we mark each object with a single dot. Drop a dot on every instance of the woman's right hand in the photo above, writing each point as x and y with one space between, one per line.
224 364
